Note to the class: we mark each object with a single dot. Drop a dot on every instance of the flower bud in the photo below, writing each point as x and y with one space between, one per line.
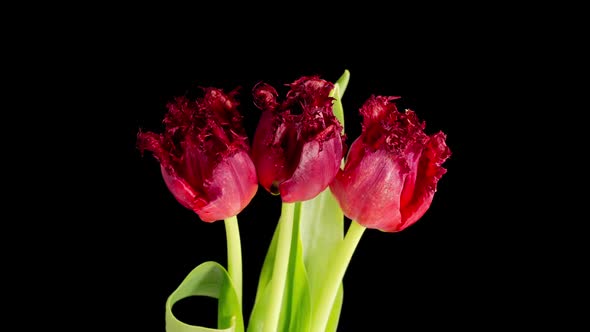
204 155
298 144
392 169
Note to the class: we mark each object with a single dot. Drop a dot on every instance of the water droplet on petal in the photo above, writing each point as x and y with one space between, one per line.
274 188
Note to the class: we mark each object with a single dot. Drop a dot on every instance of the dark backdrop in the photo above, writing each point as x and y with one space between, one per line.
99 240
440 270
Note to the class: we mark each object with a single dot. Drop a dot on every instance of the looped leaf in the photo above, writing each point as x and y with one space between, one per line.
208 279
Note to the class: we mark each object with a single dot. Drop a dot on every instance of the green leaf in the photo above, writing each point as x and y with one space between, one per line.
208 279
322 230
257 316
343 83
335 314
296 305
322 225
337 93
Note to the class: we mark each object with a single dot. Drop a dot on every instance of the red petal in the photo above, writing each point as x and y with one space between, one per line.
370 192
418 197
318 164
232 187
181 190
377 109
196 165
152 142
265 96
270 162
310 91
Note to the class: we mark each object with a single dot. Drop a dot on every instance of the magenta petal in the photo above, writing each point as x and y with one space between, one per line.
181 190
318 164
418 196
269 161
416 209
369 191
265 96
233 186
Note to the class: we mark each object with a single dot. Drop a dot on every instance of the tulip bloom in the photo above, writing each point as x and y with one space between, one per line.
392 169
298 144
204 155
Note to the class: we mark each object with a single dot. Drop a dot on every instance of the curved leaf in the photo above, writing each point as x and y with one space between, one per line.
208 279
343 83
261 302
332 325
337 93
322 230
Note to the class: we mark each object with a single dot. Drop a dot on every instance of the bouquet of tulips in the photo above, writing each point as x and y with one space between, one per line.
385 181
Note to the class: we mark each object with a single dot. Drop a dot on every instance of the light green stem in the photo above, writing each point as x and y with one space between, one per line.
234 254
281 264
337 267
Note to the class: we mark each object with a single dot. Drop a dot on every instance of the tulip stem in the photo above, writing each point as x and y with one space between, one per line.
281 264
337 267
234 254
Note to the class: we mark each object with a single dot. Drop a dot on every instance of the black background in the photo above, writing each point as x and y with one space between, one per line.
427 272
444 270
98 243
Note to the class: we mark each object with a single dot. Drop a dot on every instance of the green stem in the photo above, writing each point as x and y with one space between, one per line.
234 254
281 264
337 267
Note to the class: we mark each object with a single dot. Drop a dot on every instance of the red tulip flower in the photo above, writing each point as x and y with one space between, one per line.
204 155
392 169
298 144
